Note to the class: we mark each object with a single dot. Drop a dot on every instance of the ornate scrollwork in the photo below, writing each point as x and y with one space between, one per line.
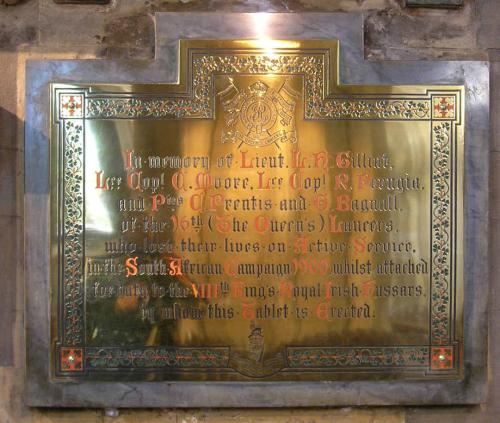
199 104
441 223
303 357
310 66
73 233
156 357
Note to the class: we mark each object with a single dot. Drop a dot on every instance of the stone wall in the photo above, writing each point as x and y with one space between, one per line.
42 29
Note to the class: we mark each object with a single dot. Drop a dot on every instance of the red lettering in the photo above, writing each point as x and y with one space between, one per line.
134 180
322 311
178 181
297 161
98 181
196 202
214 201
295 179
286 289
237 289
203 180
175 266
261 224
342 160
342 181
157 200
320 201
321 159
343 202
129 154
360 244
248 312
131 266
244 164
222 224
300 245
334 228
363 180
231 267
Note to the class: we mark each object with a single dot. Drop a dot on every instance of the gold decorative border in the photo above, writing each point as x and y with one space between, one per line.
440 109
73 225
313 67
441 232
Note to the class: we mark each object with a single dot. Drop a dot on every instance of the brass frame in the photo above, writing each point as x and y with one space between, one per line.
331 101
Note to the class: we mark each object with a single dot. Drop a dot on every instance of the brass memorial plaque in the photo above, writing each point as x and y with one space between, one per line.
257 221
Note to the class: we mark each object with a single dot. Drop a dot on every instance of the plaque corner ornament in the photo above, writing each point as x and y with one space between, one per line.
442 358
72 359
71 106
443 107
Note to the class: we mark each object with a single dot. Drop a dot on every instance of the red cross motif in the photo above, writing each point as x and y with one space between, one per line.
71 359
444 107
71 106
442 358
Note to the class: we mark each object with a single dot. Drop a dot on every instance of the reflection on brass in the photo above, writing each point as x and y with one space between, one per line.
257 221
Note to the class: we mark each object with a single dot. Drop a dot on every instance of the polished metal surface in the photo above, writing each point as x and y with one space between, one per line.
45 390
257 221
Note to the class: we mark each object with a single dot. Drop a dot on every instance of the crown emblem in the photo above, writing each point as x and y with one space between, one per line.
258 88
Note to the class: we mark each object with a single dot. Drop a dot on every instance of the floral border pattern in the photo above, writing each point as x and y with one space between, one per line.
303 357
441 226
199 106
156 357
73 216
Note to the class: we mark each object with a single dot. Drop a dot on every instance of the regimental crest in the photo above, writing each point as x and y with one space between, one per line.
259 115
256 343
253 363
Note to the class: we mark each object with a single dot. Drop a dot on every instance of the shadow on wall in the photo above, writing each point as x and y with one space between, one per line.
11 257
